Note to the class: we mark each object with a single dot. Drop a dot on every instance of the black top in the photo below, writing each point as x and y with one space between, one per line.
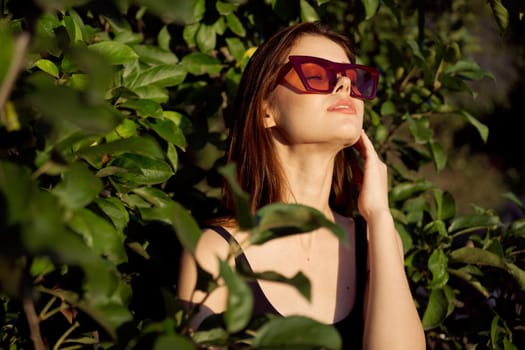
352 326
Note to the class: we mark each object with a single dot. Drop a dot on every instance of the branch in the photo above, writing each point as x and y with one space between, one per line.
34 323
16 64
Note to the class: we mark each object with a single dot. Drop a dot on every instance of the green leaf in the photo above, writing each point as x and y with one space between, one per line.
154 196
172 156
473 222
16 188
78 188
406 190
296 332
436 310
438 265
388 108
48 67
166 75
476 256
241 199
140 170
239 304
483 130
438 155
115 52
144 145
99 235
164 39
198 63
445 204
152 54
181 12
465 274
517 228
115 211
279 219
169 131
225 8
60 103
189 33
420 129
500 13
517 273
171 342
185 226
235 25
468 70
236 48
454 83
206 38
144 108
371 7
308 13
299 280
215 336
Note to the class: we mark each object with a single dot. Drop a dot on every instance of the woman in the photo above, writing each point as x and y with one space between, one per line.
297 116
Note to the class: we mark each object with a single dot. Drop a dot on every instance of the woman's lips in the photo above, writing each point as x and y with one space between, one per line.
343 106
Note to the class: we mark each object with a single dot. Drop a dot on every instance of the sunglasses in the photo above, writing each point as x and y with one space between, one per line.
314 75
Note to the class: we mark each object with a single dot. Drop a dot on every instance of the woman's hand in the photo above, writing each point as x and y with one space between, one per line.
373 182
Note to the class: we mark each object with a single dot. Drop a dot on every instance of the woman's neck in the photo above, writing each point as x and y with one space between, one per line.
308 171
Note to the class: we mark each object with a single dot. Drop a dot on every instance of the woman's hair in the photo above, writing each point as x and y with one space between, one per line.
251 148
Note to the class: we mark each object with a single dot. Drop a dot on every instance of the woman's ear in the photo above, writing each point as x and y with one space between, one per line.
269 116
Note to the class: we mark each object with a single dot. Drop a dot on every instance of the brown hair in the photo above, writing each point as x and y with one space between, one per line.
251 148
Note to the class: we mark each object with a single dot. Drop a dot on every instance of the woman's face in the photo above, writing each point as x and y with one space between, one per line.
334 118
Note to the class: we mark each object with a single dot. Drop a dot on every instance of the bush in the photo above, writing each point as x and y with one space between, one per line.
111 145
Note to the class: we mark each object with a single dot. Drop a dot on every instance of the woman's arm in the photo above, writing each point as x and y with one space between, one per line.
391 318
209 249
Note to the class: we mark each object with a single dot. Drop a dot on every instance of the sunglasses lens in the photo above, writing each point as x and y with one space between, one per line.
362 82
315 76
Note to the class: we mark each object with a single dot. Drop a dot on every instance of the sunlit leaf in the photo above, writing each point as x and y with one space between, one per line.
239 303
115 52
500 13
48 67
165 75
371 7
409 189
198 63
206 38
235 25
299 280
296 332
483 130
308 13
476 256
141 170
438 265
279 219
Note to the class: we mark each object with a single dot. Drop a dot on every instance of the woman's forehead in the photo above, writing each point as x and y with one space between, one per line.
319 46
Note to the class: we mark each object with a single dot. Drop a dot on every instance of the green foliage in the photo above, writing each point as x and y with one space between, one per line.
111 138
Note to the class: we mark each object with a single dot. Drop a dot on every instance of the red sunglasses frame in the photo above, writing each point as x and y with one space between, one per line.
332 68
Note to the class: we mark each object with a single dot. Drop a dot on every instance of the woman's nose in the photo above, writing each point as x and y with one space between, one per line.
343 85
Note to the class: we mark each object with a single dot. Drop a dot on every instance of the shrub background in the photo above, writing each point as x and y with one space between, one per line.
111 142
